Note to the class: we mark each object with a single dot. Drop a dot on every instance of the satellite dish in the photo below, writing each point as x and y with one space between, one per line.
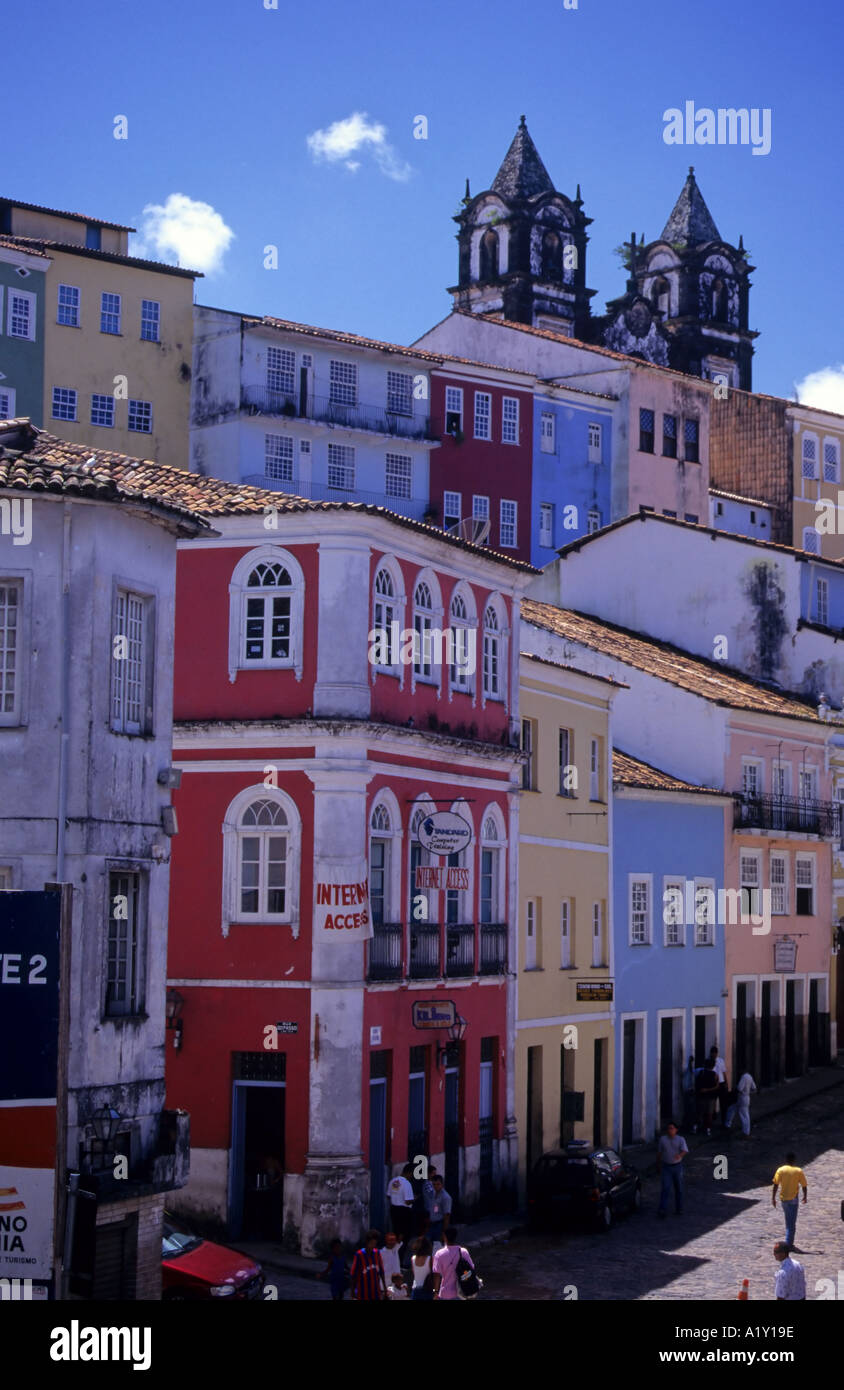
471 529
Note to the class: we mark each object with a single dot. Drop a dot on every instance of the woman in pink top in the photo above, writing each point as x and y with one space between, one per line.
446 1261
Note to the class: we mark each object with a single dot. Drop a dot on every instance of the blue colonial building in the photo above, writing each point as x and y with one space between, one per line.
571 492
668 944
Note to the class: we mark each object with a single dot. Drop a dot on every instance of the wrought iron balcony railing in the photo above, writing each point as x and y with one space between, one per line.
385 951
263 400
787 813
424 951
493 948
459 951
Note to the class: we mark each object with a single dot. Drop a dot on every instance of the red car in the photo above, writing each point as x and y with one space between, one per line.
195 1268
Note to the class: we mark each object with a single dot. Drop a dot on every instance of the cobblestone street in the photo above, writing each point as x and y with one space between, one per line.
725 1234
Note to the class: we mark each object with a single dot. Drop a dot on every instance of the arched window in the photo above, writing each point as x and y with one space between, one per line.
379 864
386 626
266 612
720 301
661 295
261 844
463 622
458 900
493 674
552 256
491 895
423 621
489 255
420 902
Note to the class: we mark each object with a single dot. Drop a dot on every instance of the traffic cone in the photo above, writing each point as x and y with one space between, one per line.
743 1291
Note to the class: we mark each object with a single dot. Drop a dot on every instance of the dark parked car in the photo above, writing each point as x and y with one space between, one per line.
582 1183
195 1268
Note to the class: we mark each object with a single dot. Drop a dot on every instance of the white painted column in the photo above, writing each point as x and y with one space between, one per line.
343 684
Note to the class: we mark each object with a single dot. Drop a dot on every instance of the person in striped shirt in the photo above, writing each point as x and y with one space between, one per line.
367 1276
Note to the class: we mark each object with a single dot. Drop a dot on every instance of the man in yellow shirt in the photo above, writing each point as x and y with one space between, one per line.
789 1179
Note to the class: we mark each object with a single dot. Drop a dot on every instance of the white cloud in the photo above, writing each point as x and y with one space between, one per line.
824 389
183 232
357 134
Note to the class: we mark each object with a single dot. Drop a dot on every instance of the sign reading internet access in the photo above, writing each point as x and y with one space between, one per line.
444 832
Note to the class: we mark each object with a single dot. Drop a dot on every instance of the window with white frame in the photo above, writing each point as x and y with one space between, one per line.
595 769
547 432
452 504
598 934
565 934
508 524
399 477
262 861
546 523
102 410
278 457
343 382
461 621
491 894
341 467
639 900
11 599
804 885
704 912
822 601
124 946
831 460
268 600
510 420
399 393
779 884
304 448
673 911
807 782
480 508
20 314
150 321
454 410
593 521
528 746
7 403
281 370
594 442
811 541
64 403
420 899
109 313
131 663
751 777
492 655
483 415
781 780
67 309
810 456
140 417
380 848
531 950
423 621
385 614
750 882
565 755
691 435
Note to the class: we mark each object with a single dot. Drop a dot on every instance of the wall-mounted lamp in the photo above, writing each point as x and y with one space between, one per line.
173 1010
456 1034
106 1122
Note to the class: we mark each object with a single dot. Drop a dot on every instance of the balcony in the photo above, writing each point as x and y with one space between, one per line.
459 952
263 400
787 813
424 951
493 948
385 951
412 507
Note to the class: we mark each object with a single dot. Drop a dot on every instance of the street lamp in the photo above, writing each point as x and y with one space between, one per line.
105 1122
456 1034
173 1010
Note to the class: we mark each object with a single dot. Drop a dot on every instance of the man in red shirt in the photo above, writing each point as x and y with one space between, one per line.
367 1276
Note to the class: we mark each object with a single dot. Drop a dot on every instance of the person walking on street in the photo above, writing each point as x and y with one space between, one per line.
421 1267
390 1257
439 1208
790 1283
336 1272
741 1104
789 1179
723 1089
367 1276
706 1084
446 1260
669 1161
400 1197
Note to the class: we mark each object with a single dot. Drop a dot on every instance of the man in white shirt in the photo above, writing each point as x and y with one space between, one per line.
790 1285
400 1197
741 1105
723 1089
390 1257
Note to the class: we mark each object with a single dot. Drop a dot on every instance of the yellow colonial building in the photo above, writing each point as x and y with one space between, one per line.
118 335
818 444
564 994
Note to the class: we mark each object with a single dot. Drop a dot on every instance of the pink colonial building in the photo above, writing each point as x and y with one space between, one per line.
315 744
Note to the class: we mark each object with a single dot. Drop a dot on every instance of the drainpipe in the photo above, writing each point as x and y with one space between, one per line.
64 698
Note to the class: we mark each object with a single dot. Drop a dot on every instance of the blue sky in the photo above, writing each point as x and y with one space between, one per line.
221 96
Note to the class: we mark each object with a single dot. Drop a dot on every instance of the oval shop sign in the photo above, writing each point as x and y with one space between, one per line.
444 832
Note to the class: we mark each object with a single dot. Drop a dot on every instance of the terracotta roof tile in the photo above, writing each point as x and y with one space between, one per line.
577 670
11 244
27 243
632 772
737 497
73 216
708 679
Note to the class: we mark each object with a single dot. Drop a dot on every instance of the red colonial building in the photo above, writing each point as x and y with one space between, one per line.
483 469
315 737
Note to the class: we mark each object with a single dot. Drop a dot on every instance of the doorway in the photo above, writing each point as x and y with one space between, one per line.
534 1106
256 1197
770 1066
377 1139
599 1092
793 1027
818 1024
485 1121
451 1135
745 1022
670 1066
